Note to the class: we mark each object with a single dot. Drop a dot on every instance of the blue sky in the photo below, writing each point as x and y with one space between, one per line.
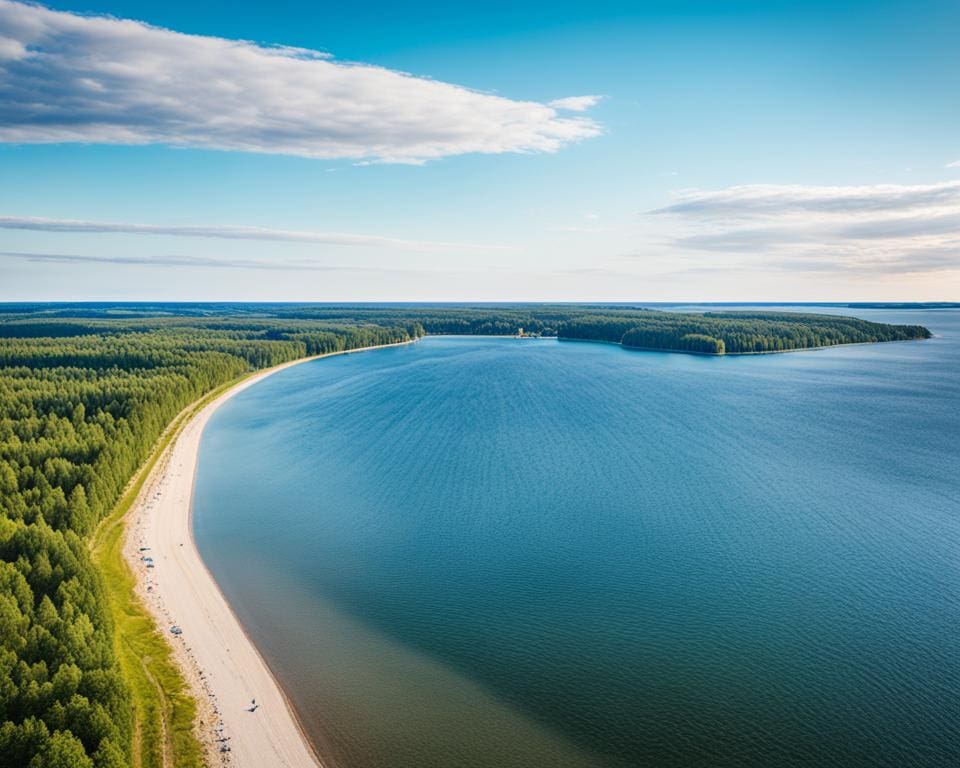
732 151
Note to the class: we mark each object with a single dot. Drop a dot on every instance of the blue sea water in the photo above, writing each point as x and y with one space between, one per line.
498 553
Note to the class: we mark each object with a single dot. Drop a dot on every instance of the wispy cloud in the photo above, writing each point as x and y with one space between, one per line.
179 262
761 200
879 229
95 79
183 261
575 103
911 262
228 232
954 164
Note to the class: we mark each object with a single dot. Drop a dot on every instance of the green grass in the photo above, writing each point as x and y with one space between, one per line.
163 709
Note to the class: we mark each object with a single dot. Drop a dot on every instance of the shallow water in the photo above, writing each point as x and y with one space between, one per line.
493 552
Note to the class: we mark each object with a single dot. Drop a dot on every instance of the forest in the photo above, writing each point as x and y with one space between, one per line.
86 390
80 410
314 325
719 333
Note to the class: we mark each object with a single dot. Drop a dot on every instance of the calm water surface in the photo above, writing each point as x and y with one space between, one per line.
499 553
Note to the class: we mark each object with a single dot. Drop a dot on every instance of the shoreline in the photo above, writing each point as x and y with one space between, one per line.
221 665
668 350
737 354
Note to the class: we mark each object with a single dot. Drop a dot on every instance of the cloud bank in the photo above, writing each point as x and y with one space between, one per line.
95 79
228 232
879 229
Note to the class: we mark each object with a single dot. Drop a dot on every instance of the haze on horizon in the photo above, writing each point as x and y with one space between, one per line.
621 151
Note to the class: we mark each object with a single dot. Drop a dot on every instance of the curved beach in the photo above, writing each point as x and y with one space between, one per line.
225 671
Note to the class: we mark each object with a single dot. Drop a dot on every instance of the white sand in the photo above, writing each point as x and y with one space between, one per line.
221 664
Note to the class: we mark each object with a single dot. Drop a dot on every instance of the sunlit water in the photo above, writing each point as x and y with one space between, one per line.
503 553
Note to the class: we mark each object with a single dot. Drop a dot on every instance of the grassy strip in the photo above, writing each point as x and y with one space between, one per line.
163 709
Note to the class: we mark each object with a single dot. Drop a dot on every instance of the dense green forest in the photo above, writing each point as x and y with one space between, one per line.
80 409
718 332
721 333
85 392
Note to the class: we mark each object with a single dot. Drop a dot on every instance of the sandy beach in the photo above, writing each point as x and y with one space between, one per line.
225 671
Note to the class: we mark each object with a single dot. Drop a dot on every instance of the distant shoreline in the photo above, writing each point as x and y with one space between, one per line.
765 351
668 350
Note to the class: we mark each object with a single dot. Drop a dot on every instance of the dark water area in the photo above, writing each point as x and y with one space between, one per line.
498 553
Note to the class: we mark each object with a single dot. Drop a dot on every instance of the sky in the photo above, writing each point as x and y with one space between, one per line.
502 151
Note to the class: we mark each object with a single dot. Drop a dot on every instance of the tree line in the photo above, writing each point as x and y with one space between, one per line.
315 325
721 333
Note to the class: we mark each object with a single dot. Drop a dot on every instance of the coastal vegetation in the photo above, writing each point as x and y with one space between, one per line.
316 328
88 394
719 333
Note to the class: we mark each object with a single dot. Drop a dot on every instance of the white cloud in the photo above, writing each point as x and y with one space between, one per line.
229 232
880 229
764 200
954 164
575 103
94 79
